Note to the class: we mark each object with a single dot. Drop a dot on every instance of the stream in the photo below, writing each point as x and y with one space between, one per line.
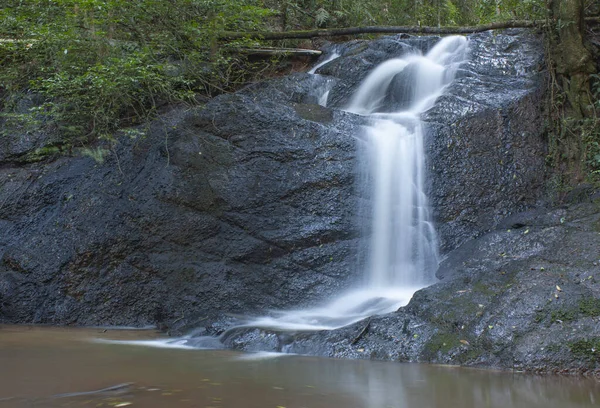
69 367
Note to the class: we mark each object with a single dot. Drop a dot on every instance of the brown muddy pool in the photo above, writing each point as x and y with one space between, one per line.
60 367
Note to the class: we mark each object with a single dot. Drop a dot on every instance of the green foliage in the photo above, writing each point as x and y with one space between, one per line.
42 153
452 12
343 13
582 132
98 153
102 64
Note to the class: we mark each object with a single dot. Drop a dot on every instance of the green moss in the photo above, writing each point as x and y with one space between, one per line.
586 349
484 289
314 113
587 307
43 153
471 355
563 315
590 307
554 348
442 343
539 317
456 312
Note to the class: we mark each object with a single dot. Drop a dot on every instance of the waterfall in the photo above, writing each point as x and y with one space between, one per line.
333 56
403 246
402 249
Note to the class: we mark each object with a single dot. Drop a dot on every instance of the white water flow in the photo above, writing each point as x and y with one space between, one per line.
324 92
402 253
320 64
403 248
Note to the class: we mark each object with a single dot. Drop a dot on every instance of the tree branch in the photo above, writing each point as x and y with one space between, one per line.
284 52
337 32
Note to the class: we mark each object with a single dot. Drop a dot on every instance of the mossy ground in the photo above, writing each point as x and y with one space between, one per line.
441 343
587 307
586 349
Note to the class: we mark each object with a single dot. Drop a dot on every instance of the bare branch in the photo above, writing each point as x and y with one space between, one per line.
338 32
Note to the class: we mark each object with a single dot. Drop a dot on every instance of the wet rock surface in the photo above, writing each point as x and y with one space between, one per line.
250 203
524 299
231 207
486 145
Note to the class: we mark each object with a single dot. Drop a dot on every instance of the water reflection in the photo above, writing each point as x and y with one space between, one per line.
38 364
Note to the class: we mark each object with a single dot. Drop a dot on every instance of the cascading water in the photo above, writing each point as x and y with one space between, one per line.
324 92
333 56
402 253
403 248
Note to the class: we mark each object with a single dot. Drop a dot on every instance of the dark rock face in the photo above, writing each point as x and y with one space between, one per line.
486 147
249 203
524 299
233 207
18 145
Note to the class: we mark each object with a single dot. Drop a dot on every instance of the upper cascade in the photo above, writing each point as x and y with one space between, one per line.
411 83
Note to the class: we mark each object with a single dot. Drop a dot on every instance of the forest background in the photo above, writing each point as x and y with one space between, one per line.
85 69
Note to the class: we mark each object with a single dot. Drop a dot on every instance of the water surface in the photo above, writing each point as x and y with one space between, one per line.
40 367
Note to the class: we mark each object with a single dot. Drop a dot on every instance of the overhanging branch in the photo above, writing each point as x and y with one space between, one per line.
337 32
278 52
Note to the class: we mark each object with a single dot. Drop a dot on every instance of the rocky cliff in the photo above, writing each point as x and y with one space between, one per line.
238 206
525 296
250 203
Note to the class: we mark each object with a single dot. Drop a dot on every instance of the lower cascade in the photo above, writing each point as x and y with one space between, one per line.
402 250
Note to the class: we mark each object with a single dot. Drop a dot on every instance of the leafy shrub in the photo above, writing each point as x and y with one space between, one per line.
103 64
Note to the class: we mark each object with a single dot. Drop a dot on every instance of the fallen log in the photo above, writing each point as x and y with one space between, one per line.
285 52
337 32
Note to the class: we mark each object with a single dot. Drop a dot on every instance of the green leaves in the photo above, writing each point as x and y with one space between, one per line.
321 17
105 64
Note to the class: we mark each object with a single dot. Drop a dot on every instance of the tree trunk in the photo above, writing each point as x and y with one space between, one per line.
573 66
573 61
278 52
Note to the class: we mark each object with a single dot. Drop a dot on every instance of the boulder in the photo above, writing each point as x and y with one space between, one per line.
249 202
526 299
